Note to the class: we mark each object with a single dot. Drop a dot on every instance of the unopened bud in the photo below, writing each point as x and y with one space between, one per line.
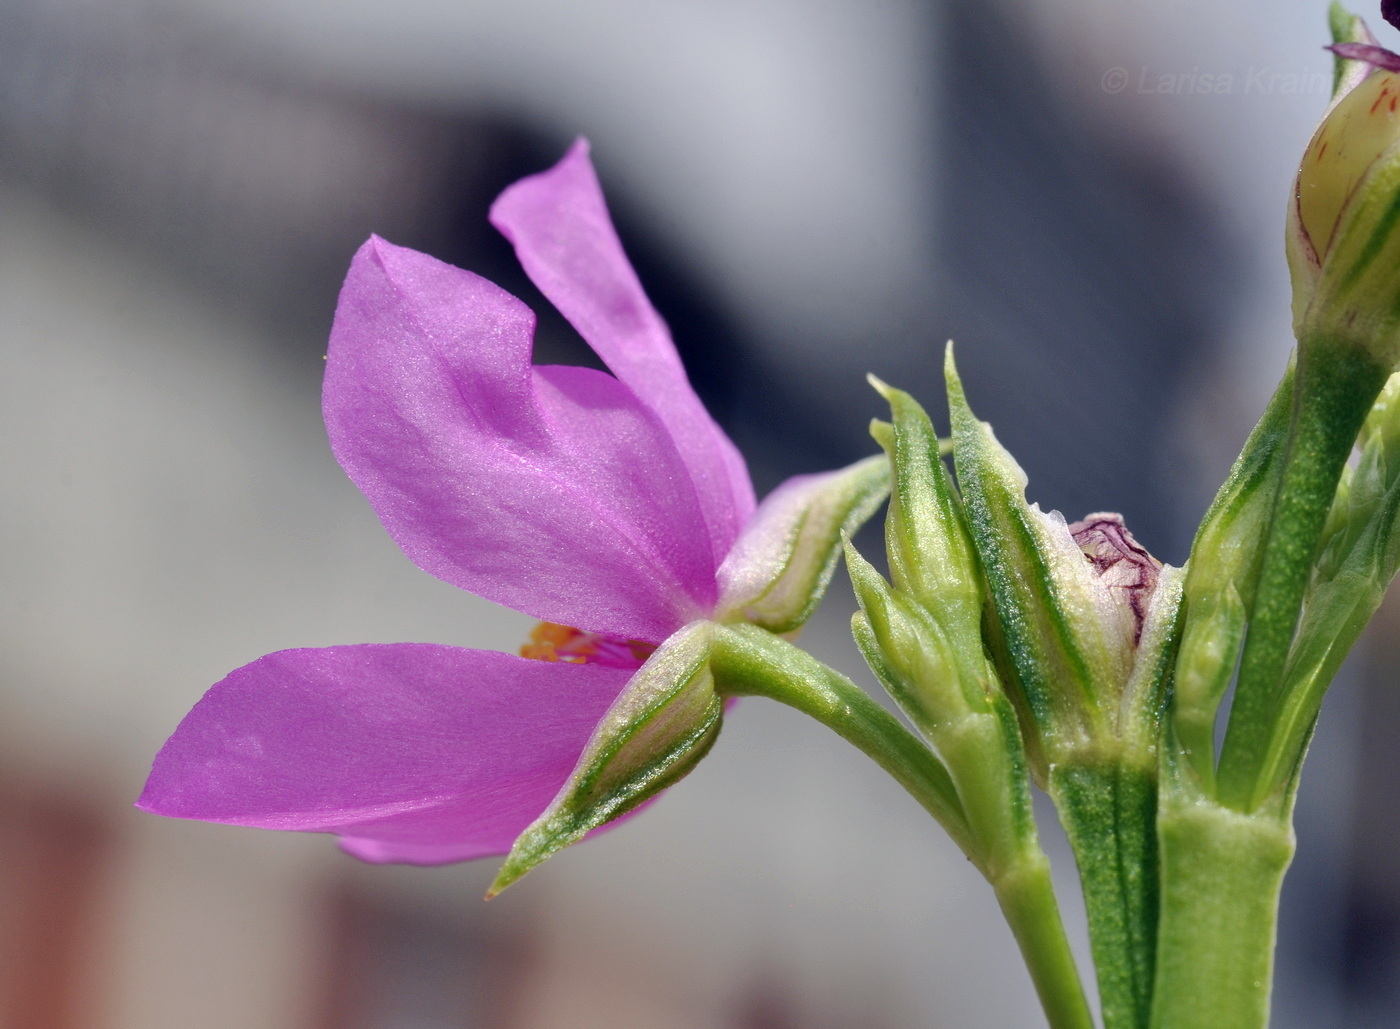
1342 243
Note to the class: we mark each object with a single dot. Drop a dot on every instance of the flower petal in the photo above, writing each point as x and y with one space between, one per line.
559 224
1376 56
415 752
550 490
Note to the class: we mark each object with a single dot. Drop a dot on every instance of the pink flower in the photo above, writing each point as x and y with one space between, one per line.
612 504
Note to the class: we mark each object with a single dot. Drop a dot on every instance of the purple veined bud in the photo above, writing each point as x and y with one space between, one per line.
1126 571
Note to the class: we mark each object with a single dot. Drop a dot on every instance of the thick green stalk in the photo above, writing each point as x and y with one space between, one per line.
1221 875
1336 384
1109 810
752 662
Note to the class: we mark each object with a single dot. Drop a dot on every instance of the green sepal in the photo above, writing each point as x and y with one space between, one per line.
1148 691
963 713
906 649
1220 581
921 634
778 570
925 625
931 554
1061 636
1093 681
658 729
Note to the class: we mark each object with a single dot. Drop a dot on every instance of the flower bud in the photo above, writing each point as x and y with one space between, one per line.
1085 611
1341 243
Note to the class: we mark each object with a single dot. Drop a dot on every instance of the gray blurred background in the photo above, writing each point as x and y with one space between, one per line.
1087 196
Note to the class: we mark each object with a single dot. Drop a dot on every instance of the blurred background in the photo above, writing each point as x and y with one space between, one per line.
1086 195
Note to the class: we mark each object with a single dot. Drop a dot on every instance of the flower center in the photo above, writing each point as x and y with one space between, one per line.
550 641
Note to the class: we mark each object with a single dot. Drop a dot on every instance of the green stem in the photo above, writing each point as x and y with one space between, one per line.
747 661
1109 811
1027 898
1221 875
984 753
1336 384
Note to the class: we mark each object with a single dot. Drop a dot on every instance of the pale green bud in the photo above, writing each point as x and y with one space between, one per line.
1342 244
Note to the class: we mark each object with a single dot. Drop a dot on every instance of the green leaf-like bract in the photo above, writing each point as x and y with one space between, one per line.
664 722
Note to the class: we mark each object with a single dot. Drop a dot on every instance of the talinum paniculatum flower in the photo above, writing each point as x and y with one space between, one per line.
610 506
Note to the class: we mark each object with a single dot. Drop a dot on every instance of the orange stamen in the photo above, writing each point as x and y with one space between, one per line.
550 641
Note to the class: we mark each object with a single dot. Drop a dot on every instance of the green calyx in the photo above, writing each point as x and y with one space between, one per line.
931 554
669 715
1074 643
921 633
1087 630
664 722
779 569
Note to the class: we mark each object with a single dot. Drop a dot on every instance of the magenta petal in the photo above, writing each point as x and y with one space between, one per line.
382 852
553 491
414 752
565 240
1376 56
